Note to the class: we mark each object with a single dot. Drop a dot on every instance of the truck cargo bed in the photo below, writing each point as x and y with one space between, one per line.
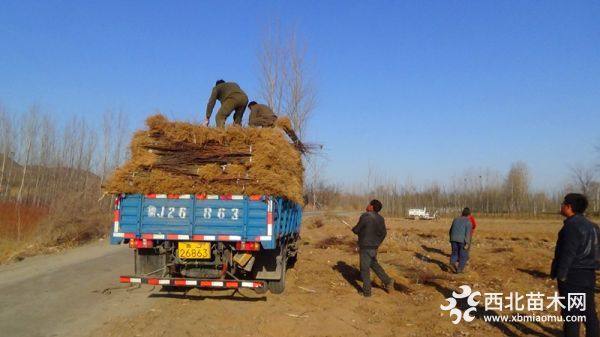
205 218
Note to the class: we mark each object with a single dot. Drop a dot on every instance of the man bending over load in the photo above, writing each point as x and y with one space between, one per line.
232 97
261 115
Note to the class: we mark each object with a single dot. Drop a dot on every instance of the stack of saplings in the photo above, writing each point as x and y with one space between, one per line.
184 158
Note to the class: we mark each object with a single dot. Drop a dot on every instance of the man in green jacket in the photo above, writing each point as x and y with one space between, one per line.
261 115
232 97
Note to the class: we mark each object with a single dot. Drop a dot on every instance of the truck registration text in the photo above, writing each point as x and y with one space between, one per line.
181 213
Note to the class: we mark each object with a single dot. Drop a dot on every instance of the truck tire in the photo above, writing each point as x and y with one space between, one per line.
291 263
278 286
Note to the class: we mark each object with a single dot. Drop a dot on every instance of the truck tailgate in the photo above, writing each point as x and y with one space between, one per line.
194 217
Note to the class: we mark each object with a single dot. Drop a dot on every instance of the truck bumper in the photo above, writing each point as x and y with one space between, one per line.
192 282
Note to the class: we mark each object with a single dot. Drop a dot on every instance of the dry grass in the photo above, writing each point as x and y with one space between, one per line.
9 221
338 242
184 158
73 219
316 223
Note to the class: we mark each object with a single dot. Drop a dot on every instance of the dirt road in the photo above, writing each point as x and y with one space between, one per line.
66 294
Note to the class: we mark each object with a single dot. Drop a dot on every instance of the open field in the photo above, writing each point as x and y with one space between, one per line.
321 296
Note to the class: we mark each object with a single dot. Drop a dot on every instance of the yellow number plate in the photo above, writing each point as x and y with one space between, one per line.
193 250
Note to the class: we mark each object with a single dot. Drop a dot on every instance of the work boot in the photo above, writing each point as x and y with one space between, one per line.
366 294
389 286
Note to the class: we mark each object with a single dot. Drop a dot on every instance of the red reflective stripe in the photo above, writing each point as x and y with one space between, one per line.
172 196
171 236
201 196
257 284
116 215
226 197
129 235
153 281
223 238
151 196
269 218
198 237
255 197
179 282
205 284
147 236
124 279
231 284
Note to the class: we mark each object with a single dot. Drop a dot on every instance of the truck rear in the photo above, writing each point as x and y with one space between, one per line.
208 241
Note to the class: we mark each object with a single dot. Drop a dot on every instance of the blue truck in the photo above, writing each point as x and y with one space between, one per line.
208 241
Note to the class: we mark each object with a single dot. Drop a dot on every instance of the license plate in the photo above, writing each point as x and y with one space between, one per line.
193 250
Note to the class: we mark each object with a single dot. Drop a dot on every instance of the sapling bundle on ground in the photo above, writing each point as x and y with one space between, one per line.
185 158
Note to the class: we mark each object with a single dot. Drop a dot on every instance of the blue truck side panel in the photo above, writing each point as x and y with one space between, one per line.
244 218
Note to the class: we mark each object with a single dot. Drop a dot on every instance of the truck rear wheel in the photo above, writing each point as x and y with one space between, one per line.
278 286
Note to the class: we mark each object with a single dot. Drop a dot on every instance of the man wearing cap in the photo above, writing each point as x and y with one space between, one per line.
232 97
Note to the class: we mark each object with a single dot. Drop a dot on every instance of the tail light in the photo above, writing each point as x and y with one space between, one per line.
247 245
141 243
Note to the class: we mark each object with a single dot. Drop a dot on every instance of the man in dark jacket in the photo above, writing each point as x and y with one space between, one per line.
232 97
576 259
371 232
460 239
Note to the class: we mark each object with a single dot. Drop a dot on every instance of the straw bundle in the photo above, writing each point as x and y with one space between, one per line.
183 158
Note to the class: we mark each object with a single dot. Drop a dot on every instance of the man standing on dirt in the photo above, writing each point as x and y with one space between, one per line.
232 97
460 239
371 232
576 259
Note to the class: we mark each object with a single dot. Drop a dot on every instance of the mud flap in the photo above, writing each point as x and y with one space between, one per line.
269 266
149 261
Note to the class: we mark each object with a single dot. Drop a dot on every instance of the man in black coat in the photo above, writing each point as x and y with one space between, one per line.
576 259
371 232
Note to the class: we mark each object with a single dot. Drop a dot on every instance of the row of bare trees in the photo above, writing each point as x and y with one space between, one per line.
45 161
284 76
42 157
485 191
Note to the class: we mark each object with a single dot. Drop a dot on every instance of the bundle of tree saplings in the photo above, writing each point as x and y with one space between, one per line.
184 158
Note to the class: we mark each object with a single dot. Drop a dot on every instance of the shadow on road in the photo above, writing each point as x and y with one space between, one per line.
535 273
442 265
351 274
194 297
435 250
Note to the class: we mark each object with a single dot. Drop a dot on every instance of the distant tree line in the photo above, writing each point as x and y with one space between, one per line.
58 164
484 191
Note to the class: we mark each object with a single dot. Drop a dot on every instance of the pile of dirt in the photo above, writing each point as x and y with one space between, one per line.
184 158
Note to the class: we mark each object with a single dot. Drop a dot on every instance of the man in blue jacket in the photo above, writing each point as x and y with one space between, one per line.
460 239
371 232
576 259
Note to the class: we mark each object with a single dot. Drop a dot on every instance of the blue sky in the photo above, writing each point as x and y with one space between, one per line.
420 89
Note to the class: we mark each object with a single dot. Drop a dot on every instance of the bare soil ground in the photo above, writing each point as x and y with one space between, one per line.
321 296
